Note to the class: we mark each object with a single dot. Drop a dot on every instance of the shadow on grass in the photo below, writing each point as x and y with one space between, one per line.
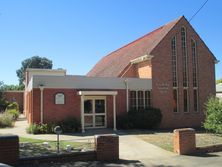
204 155
119 163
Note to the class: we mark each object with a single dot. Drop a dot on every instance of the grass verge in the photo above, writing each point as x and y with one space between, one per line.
165 139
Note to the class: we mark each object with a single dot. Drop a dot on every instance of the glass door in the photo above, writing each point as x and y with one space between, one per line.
95 112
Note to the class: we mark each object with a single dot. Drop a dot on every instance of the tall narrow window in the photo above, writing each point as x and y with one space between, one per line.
185 69
174 61
184 56
174 74
195 100
185 100
133 100
194 62
147 99
194 68
140 100
175 100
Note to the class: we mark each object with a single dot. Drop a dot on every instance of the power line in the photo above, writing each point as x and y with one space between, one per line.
198 10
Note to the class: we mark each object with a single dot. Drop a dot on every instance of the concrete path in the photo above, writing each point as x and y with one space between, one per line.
133 151
133 148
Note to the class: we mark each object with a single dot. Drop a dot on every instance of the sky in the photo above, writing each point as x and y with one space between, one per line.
76 34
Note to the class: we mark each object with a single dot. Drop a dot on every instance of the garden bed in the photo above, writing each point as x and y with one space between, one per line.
34 147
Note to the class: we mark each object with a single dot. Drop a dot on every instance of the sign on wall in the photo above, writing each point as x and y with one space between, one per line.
59 98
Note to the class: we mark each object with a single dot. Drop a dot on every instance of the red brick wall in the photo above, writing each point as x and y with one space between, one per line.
162 73
17 96
144 70
9 149
71 108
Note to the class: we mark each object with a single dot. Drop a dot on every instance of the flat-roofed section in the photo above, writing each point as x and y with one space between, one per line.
84 82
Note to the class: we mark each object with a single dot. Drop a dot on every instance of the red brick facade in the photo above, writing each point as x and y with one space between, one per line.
15 96
158 68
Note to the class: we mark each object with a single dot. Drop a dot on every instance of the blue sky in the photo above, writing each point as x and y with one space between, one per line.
75 34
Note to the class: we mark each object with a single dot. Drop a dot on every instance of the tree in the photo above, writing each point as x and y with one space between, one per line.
219 81
33 62
12 87
213 121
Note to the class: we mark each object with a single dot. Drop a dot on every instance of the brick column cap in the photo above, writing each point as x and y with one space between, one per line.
183 130
106 135
8 136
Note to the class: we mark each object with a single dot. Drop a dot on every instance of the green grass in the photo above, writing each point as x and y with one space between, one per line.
165 139
35 147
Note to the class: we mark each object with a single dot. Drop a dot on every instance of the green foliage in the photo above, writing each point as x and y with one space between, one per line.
143 119
219 81
70 125
3 104
40 128
13 105
14 113
6 120
213 121
33 62
13 87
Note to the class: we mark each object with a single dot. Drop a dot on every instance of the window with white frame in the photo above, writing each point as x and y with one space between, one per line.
59 98
140 99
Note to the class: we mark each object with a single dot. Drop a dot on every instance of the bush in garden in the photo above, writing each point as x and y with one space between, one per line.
6 120
142 119
14 113
213 121
70 125
13 105
39 128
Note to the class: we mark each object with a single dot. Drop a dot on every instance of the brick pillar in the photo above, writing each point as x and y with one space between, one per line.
9 149
184 141
107 147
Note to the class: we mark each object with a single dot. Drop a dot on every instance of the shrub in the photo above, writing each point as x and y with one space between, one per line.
3 104
14 113
39 128
143 119
69 125
6 120
213 121
13 105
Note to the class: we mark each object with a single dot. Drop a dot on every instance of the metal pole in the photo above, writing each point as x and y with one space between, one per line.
57 143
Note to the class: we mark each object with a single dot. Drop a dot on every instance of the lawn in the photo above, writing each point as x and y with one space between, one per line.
165 139
34 147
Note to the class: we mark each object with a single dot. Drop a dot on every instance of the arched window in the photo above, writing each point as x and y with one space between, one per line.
59 98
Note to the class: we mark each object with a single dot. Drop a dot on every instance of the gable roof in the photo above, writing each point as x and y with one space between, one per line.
115 62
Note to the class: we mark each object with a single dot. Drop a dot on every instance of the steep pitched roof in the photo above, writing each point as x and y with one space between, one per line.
114 63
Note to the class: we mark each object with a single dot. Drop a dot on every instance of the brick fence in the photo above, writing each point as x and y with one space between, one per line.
185 143
9 149
106 148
